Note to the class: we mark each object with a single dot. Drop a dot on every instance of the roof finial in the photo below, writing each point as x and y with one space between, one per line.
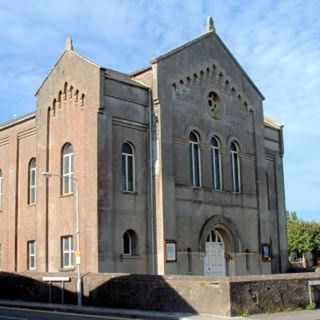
210 25
69 44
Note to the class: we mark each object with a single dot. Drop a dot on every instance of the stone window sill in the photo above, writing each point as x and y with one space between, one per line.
67 269
128 257
133 193
67 195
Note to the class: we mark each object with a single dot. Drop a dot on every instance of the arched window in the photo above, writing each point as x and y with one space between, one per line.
67 169
1 189
130 243
216 164
32 185
235 167
128 168
195 167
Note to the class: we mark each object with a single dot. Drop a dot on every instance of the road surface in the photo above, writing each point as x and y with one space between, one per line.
26 314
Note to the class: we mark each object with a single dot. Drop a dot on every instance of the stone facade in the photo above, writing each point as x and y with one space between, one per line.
199 190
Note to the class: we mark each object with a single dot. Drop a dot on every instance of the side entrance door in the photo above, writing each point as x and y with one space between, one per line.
214 261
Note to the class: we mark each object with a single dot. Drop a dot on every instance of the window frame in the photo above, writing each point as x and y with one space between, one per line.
235 164
67 172
125 181
32 177
132 245
195 153
32 254
67 254
129 253
215 152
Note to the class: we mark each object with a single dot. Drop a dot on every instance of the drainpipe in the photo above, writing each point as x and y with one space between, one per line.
151 195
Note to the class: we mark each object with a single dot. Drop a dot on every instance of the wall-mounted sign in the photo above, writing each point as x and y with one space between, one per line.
266 252
171 251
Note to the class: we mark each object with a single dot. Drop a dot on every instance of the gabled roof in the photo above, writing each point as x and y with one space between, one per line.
123 77
17 120
139 71
272 123
70 50
211 33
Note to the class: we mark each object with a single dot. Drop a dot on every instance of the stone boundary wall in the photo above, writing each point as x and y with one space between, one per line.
272 293
227 296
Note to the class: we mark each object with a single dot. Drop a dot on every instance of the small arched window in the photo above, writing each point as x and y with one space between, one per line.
130 243
32 183
60 99
76 96
67 169
194 154
235 167
128 168
70 91
54 105
65 90
82 99
1 189
216 164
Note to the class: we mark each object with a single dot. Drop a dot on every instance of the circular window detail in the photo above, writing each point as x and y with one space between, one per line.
213 104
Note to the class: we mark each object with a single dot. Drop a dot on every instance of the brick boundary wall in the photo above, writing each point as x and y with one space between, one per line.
227 296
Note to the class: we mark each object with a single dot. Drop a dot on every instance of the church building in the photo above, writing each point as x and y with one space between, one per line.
172 169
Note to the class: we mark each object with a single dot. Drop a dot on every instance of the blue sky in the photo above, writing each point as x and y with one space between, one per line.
277 43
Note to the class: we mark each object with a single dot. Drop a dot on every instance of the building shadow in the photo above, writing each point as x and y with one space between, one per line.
14 286
144 292
139 292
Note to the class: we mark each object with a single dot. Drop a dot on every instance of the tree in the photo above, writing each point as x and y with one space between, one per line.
303 236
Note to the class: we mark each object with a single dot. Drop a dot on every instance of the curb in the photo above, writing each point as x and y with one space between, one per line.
86 310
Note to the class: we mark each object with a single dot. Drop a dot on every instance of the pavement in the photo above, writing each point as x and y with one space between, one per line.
154 315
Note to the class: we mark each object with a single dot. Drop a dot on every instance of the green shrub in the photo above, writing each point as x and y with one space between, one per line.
311 306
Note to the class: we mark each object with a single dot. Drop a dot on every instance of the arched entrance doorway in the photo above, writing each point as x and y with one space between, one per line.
220 242
214 260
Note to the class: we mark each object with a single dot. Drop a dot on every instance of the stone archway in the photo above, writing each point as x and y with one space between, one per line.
219 240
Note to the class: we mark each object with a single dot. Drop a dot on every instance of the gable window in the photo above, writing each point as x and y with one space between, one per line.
67 169
32 187
235 167
194 153
31 255
216 164
129 243
128 168
67 252
1 189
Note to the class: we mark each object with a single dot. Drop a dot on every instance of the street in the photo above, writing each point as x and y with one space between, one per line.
17 313
27 314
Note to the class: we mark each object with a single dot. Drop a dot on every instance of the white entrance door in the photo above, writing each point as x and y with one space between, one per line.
214 261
